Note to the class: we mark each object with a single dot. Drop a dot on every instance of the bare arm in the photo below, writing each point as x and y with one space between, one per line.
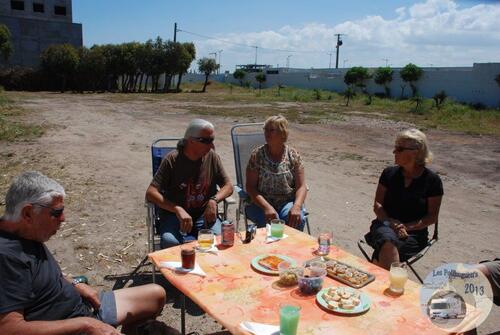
13 323
211 209
433 206
153 195
257 198
300 196
377 204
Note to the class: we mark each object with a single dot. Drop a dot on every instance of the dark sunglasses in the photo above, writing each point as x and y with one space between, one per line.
398 148
204 140
54 212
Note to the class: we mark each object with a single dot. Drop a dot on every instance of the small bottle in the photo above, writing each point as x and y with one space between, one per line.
227 233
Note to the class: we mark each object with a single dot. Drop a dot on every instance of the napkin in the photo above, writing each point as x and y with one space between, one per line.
260 328
269 238
213 249
177 266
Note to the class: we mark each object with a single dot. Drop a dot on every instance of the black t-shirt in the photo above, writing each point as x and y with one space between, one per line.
408 204
31 280
188 183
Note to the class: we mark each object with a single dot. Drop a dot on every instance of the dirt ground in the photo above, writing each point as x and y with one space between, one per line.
97 146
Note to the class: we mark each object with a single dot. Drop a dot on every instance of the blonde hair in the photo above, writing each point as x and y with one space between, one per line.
280 122
419 140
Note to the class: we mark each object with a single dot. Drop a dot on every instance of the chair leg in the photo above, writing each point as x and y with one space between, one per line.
368 258
415 273
183 314
307 225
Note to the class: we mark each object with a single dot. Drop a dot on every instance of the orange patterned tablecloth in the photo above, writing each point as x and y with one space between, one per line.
233 292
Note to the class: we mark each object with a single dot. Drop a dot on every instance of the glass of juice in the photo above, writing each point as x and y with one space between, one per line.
277 227
289 318
324 241
188 257
205 239
398 276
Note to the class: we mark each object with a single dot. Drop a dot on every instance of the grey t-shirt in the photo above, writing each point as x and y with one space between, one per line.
31 281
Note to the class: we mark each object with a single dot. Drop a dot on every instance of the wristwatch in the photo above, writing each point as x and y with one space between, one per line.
214 198
78 280
386 223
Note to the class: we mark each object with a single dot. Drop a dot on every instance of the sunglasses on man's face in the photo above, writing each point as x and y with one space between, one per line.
204 140
54 212
398 148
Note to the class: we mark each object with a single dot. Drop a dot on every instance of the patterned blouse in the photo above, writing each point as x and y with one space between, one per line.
276 179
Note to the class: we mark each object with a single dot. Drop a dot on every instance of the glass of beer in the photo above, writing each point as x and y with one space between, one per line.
398 276
205 239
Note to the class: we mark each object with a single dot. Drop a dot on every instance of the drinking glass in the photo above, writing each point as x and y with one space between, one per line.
324 241
205 239
277 228
398 276
289 318
188 258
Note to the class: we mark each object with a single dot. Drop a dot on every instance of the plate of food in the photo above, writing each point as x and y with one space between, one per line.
268 263
344 272
344 300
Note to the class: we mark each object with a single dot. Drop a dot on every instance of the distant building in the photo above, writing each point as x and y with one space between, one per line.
36 24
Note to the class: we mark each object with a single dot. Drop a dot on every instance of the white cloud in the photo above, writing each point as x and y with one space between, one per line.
436 32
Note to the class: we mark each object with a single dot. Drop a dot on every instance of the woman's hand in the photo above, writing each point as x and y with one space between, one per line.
294 216
400 229
270 213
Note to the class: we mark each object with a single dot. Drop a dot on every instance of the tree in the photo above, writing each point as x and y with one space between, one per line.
207 66
186 57
356 77
383 76
239 75
497 79
260 77
60 61
6 48
439 98
410 74
348 95
91 69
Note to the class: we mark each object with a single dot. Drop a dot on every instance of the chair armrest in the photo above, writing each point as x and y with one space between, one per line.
421 254
230 200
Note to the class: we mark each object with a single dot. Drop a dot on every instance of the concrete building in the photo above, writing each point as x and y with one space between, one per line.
36 24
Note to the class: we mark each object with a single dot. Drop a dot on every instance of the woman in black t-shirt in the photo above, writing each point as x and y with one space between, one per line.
407 201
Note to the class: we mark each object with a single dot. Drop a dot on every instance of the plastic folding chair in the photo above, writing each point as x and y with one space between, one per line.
245 138
409 262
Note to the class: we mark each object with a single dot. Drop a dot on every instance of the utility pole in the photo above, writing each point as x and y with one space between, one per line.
256 47
386 61
215 55
220 52
175 32
330 62
288 61
339 43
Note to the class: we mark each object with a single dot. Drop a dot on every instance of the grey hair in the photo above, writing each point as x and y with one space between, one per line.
196 126
30 188
418 138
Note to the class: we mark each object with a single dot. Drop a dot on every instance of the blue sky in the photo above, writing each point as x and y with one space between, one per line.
427 32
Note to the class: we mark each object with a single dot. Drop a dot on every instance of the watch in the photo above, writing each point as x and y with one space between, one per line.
386 223
214 198
78 280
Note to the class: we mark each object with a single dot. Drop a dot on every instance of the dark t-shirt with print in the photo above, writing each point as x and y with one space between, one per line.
408 204
190 184
31 281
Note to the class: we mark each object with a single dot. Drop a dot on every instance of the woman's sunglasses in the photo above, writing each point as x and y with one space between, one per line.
398 148
204 140
54 212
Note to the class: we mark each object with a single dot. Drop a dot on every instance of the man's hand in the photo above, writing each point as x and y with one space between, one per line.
89 294
210 214
270 214
96 327
185 220
294 216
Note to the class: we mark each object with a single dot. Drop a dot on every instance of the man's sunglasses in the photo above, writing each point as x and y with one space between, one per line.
54 212
398 148
204 140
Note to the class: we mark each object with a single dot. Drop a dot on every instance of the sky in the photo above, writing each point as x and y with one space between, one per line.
301 33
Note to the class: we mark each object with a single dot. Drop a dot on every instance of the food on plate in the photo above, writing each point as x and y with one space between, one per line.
345 272
288 277
270 262
340 297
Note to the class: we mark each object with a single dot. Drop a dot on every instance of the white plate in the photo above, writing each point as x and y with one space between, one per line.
260 268
363 306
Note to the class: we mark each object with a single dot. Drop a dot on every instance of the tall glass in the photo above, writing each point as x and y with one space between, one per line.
277 228
289 319
398 276
205 239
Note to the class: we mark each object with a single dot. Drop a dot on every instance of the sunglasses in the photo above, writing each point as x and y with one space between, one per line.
398 148
270 130
204 140
54 212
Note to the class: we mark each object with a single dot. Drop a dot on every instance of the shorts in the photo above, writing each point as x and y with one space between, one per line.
409 247
107 312
494 269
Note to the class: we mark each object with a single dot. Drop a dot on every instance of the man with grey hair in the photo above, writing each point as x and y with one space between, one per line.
185 186
35 297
